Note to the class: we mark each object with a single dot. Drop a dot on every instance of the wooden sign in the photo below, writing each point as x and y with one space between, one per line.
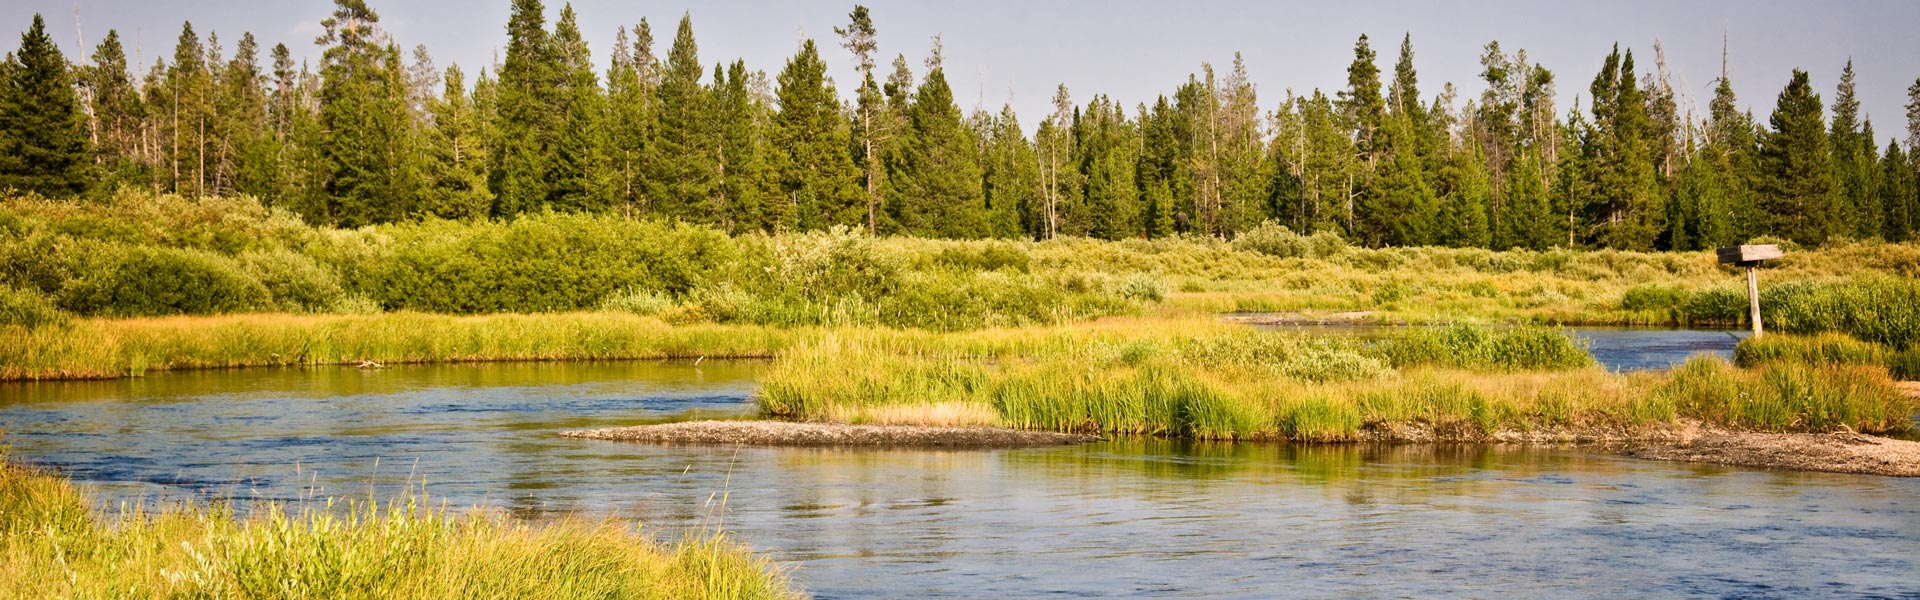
1749 254
1750 257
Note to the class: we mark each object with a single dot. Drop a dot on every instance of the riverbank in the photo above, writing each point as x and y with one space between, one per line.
55 546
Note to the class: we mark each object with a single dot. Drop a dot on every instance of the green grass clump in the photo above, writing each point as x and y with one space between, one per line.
1468 346
1826 349
29 309
54 547
1883 310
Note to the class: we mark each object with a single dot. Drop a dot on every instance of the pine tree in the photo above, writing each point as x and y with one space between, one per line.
529 112
940 176
1627 195
858 37
633 80
681 174
456 155
43 140
1853 164
368 146
577 176
1899 195
817 181
1012 177
1796 166
247 148
118 114
739 149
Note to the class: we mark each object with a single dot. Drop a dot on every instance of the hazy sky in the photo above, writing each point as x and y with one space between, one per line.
1134 50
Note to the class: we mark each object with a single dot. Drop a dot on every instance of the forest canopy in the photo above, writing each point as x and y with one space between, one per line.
375 133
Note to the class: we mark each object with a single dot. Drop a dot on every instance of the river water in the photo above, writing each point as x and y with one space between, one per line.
1147 518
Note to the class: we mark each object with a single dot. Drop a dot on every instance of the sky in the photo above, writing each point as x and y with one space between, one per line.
1018 51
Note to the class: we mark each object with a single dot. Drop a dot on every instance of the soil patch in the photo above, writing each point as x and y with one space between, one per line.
1845 452
786 433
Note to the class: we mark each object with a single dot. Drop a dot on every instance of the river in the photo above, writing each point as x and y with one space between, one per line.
1146 518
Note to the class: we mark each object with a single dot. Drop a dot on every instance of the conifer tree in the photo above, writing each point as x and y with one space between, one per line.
43 141
681 174
456 155
1899 195
739 152
247 149
633 79
1012 177
817 181
1796 166
118 115
858 37
1853 164
528 112
940 176
577 176
1627 197
368 148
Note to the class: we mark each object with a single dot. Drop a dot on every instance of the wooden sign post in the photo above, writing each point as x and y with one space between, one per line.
1750 257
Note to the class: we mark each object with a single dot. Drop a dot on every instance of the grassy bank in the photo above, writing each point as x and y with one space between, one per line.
105 348
52 545
1207 380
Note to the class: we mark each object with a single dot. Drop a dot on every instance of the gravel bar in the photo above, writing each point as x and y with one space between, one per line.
786 433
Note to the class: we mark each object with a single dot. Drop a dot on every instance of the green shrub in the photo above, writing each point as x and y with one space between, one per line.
1274 239
1653 298
1717 306
985 256
1143 287
294 282
28 308
144 281
637 301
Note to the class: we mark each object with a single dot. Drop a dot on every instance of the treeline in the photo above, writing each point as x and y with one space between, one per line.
374 135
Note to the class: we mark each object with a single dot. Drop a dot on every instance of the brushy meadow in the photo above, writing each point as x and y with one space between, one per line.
138 255
53 545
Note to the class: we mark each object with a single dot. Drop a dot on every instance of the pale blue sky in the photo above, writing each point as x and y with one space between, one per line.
1134 50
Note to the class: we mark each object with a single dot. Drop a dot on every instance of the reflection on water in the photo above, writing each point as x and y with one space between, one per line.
1616 348
1121 518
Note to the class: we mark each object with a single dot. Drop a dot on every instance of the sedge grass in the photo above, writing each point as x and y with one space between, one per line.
53 546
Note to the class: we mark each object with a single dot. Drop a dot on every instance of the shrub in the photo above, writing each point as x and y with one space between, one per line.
1274 239
1143 287
1717 306
143 281
986 256
637 301
1653 298
293 281
28 308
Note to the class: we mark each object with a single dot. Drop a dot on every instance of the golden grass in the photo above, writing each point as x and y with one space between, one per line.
52 546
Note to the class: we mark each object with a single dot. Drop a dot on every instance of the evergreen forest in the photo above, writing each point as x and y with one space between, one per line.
375 133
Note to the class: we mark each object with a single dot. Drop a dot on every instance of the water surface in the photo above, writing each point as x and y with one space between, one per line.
1142 518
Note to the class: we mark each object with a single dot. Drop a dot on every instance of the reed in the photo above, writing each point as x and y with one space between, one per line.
53 546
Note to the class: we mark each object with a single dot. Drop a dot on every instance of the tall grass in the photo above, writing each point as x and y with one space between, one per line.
53 546
97 348
1201 380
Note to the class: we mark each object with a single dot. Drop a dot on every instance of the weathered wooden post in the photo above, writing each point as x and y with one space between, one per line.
1750 257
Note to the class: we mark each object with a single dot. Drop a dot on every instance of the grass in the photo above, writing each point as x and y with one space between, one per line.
1205 380
1826 349
105 348
53 546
